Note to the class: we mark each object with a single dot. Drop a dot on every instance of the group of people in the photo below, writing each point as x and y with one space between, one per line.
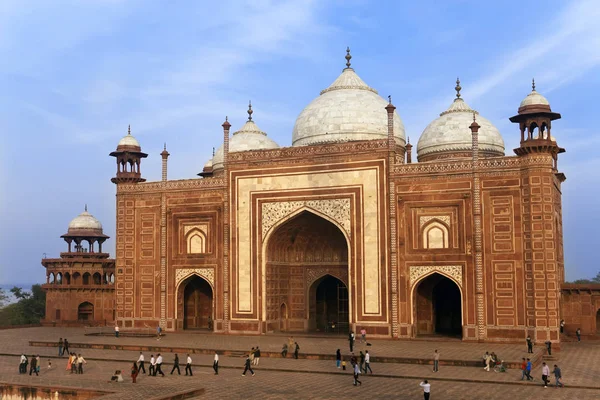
63 347
34 365
289 346
155 367
352 338
492 360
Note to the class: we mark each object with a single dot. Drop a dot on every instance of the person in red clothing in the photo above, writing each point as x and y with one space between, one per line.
523 369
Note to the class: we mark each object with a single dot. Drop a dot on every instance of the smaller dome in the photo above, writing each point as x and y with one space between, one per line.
85 222
208 164
534 98
129 142
250 137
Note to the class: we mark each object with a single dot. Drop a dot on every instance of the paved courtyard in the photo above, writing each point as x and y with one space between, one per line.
278 378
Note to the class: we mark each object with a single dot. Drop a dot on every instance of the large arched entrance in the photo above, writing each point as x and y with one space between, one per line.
305 271
438 307
197 304
85 311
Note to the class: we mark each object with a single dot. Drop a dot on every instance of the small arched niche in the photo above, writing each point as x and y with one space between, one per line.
195 241
435 235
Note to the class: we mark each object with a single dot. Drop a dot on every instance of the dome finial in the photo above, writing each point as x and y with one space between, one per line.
165 147
250 110
213 151
390 99
533 84
457 88
129 130
348 57
86 208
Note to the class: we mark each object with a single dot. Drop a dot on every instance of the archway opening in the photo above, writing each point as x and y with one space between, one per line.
598 322
329 306
300 253
85 311
197 304
438 307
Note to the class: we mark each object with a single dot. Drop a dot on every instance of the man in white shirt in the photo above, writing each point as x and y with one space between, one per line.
188 365
368 362
116 330
152 369
216 363
545 373
159 361
141 363
426 389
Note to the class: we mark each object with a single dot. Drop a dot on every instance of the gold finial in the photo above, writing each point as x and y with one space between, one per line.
348 57
457 88
129 130
533 84
86 208
250 110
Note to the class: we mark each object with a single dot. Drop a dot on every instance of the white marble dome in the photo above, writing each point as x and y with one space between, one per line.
250 137
534 98
129 140
348 110
85 221
450 132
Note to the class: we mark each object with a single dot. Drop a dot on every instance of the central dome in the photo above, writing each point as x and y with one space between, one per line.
348 110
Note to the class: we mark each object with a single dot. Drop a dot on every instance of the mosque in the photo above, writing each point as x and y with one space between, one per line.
340 231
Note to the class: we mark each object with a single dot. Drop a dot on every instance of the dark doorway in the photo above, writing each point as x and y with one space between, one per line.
438 307
598 322
329 305
85 312
283 318
197 306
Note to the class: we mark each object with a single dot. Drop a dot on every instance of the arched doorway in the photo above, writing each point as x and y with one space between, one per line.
85 311
197 304
438 307
303 249
598 322
328 306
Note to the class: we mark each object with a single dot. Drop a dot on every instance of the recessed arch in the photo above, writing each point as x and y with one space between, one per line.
437 301
195 241
67 278
97 278
300 248
434 235
86 278
76 278
328 305
85 311
195 303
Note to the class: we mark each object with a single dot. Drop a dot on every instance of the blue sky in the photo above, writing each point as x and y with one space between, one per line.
74 74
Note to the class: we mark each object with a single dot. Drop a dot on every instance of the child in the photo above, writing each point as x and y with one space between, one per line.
344 365
49 364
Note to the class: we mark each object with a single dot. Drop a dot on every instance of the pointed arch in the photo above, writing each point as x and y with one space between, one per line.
67 278
435 235
86 278
195 241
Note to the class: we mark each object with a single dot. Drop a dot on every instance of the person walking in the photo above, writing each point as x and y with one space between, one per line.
338 358
116 330
436 361
176 365
248 367
545 373
80 362
134 372
256 356
557 376
351 341
23 364
356 373
426 389
66 348
158 332
528 370
216 363
188 365
152 368
159 361
523 369
61 344
33 366
38 363
141 363
488 360
361 356
529 344
562 326
251 355
578 333
548 344
284 350
368 362
296 348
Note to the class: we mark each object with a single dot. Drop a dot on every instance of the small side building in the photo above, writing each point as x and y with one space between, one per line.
80 284
581 308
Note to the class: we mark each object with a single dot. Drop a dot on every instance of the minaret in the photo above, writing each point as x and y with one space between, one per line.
129 156
408 151
226 126
165 155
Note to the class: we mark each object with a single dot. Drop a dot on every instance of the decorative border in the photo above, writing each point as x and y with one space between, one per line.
453 271
336 209
312 274
183 273
425 219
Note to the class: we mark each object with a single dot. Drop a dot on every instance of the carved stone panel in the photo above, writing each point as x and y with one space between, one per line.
453 271
336 209
183 273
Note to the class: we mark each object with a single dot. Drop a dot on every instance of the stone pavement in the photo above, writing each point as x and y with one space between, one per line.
291 379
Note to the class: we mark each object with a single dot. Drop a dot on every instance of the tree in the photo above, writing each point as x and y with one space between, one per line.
3 298
29 309
596 279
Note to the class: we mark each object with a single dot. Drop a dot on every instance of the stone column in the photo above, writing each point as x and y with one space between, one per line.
226 317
